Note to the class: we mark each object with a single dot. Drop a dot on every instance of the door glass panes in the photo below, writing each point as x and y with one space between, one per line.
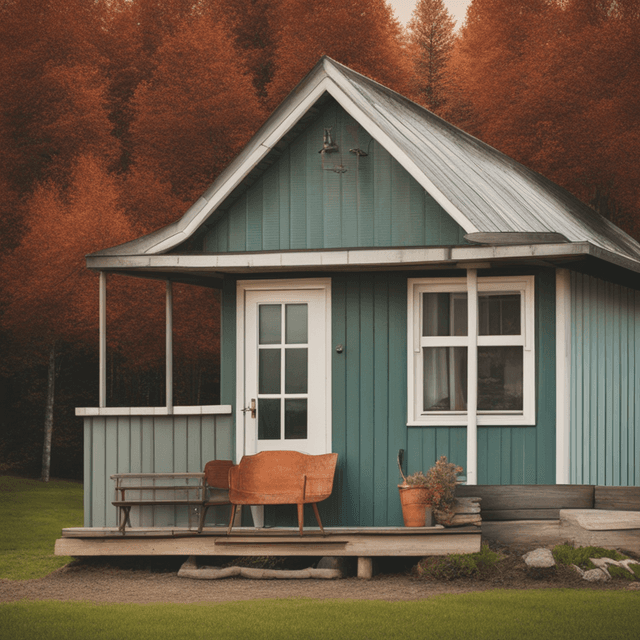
283 371
268 419
296 371
269 373
500 381
445 378
296 324
270 324
295 419
444 314
499 314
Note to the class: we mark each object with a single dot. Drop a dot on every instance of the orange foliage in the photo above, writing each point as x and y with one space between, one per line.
554 84
431 40
362 34
49 293
197 111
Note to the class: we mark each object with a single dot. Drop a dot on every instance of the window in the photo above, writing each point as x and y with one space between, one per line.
440 340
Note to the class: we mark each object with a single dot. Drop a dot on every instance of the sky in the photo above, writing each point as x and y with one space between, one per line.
457 9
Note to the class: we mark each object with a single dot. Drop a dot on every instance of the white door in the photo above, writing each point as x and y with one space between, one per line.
284 366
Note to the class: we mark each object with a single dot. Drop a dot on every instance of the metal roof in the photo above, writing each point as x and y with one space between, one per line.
485 191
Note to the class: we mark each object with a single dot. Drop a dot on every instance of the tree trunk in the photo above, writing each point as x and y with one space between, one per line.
48 415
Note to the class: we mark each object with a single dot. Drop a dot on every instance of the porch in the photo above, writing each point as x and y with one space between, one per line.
365 543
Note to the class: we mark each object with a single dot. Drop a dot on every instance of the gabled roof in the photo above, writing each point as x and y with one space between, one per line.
486 192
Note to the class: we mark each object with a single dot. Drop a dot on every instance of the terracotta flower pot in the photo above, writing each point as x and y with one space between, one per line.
416 507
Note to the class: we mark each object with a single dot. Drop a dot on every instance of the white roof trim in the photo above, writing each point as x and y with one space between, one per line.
224 186
365 258
349 105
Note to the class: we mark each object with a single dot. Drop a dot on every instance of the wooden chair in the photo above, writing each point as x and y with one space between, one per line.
282 477
216 486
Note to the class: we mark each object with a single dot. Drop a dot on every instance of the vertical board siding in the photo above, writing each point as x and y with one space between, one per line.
369 414
605 383
506 455
147 444
369 404
308 200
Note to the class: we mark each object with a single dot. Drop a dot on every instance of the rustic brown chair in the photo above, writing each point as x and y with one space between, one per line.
216 487
282 477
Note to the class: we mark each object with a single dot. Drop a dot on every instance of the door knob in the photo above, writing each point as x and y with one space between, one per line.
251 407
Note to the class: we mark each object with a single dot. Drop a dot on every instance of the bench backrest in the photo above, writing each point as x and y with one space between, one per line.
276 477
216 473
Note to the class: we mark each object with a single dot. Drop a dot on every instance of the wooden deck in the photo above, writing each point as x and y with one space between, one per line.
362 542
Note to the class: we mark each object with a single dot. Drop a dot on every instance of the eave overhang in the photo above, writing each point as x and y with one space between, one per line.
185 267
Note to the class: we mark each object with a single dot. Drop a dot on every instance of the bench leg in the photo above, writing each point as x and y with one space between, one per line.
301 517
203 515
233 515
315 510
124 518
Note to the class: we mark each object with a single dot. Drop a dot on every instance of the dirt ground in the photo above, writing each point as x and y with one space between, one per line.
148 580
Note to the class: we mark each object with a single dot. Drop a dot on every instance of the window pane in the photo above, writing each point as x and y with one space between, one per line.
269 380
270 323
499 315
296 324
295 371
444 314
500 379
295 419
445 378
268 419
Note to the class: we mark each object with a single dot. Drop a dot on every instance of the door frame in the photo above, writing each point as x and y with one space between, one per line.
298 284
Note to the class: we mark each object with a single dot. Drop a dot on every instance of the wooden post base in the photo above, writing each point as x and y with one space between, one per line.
365 568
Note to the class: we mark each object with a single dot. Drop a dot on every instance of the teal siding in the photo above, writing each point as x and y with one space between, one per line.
605 383
148 444
369 397
369 404
299 202
506 455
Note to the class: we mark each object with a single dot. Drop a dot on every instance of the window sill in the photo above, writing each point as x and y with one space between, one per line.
483 421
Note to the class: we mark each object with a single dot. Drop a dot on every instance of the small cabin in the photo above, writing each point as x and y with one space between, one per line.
387 282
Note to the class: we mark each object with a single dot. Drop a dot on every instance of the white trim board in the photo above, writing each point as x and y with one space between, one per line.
244 286
563 375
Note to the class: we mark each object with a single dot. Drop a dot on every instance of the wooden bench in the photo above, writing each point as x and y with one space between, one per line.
282 477
156 489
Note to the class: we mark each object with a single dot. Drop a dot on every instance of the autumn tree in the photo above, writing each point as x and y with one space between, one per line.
553 85
50 296
197 111
252 24
431 39
52 89
362 34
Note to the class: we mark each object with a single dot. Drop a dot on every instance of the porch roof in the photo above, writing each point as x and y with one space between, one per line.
489 194
211 268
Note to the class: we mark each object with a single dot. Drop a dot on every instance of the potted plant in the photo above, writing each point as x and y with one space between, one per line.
423 496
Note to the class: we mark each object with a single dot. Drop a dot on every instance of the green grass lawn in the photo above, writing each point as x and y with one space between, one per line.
32 514
494 615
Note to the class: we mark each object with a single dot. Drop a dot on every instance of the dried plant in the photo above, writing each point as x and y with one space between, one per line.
440 480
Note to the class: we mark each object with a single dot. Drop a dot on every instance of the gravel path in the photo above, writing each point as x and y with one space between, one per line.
114 584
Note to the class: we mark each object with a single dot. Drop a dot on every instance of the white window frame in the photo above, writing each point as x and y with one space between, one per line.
415 342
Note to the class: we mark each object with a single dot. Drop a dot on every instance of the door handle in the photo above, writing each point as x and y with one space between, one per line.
251 407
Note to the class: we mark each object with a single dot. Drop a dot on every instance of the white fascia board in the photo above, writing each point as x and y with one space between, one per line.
288 260
348 103
237 171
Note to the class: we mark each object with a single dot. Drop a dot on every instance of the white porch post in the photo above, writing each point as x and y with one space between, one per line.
563 375
102 322
169 347
472 377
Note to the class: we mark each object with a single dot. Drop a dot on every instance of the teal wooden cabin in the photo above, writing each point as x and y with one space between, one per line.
388 282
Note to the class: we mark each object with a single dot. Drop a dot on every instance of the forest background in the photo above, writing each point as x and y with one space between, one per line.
115 115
